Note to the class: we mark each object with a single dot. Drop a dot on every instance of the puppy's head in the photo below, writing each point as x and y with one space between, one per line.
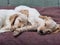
25 12
49 27
16 21
19 22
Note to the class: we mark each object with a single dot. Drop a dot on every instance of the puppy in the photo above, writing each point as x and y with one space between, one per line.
5 23
42 24
24 18
7 19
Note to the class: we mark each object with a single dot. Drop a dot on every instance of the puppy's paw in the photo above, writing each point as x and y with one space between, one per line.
12 29
17 33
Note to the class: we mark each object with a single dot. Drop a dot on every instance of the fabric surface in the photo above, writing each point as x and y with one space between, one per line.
32 38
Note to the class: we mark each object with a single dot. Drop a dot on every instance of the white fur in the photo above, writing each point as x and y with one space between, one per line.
34 19
4 15
33 13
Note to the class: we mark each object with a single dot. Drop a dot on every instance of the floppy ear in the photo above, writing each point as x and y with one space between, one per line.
13 18
57 28
26 12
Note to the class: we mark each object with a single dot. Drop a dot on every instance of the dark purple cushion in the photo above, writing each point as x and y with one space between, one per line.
32 38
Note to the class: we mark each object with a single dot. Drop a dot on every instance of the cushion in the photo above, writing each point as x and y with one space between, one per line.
32 38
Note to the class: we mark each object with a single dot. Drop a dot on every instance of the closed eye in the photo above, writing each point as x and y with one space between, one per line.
19 20
45 24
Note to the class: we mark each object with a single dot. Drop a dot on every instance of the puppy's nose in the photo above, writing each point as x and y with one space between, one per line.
41 32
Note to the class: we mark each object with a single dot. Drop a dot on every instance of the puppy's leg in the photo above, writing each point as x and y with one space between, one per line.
26 28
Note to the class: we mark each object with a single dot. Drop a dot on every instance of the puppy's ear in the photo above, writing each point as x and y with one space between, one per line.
13 18
26 12
57 28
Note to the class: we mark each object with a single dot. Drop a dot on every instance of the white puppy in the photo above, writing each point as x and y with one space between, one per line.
7 19
24 18
4 21
43 24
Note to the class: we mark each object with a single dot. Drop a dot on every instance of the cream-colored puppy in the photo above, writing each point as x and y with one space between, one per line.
24 18
43 24
50 25
4 19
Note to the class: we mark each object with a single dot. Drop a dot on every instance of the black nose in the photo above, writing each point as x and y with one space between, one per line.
41 32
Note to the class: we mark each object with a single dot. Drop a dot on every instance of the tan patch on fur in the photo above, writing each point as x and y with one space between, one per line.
21 24
12 18
26 12
45 17
57 29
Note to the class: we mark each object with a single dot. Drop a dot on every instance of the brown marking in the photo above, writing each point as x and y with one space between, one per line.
21 24
57 29
45 24
45 17
12 18
26 12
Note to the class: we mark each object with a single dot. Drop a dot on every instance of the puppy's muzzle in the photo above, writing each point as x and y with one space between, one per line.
42 32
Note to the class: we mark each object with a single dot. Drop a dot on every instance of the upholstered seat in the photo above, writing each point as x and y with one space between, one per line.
32 38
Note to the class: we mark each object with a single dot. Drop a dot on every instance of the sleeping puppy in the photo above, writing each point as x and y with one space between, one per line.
5 23
7 19
42 24
49 27
24 18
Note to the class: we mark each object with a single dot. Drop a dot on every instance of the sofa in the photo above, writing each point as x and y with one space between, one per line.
32 38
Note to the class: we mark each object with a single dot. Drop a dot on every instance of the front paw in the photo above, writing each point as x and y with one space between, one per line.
12 29
17 33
